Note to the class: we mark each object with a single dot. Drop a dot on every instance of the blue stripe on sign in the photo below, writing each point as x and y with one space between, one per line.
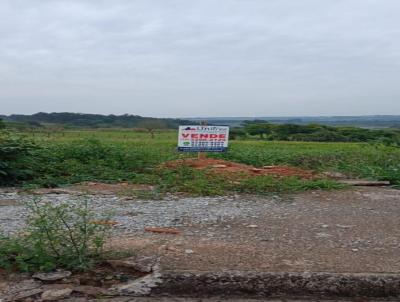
202 149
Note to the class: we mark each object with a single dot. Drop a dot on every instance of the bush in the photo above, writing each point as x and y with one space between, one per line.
189 180
66 235
16 158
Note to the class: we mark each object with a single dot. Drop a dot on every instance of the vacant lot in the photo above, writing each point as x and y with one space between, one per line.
351 232
65 157
236 213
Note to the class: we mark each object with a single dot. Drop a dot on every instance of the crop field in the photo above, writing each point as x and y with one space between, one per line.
60 158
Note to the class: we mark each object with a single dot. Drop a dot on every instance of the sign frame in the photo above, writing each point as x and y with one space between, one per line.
203 138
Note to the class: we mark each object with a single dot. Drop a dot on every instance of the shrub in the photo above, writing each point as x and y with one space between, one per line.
15 158
66 235
189 180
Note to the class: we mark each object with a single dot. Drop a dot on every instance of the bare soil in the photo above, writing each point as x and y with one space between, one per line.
355 230
228 167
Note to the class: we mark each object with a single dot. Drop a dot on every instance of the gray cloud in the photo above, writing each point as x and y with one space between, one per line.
200 58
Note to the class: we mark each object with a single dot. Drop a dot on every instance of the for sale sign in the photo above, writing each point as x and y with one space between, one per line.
203 138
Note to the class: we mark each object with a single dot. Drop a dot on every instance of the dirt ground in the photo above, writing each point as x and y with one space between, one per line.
354 230
225 167
171 299
350 230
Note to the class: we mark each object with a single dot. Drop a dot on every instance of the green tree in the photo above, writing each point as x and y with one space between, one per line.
151 125
236 132
260 129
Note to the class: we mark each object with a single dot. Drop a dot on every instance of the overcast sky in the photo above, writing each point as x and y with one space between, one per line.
182 58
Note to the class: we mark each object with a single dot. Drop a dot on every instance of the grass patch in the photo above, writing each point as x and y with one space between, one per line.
114 156
206 183
269 184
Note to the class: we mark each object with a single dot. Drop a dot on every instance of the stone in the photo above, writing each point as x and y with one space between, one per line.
172 249
162 230
219 166
56 294
334 175
55 286
323 235
24 294
188 251
252 226
139 287
3 285
342 226
368 183
52 276
141 264
89 290
22 290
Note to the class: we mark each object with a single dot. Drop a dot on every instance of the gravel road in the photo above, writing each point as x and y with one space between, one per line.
135 215
353 230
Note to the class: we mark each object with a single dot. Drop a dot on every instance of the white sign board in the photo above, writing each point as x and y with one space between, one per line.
203 138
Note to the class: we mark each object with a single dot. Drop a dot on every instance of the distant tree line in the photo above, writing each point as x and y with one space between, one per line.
367 121
314 133
81 120
250 129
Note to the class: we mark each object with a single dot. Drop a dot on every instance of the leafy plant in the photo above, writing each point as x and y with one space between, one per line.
189 180
67 235
16 157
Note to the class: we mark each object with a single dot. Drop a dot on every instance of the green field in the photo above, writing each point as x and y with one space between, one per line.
65 157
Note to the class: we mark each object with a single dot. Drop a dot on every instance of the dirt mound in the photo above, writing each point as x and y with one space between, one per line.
224 167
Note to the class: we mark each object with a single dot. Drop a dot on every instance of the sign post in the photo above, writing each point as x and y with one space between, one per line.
200 154
203 138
